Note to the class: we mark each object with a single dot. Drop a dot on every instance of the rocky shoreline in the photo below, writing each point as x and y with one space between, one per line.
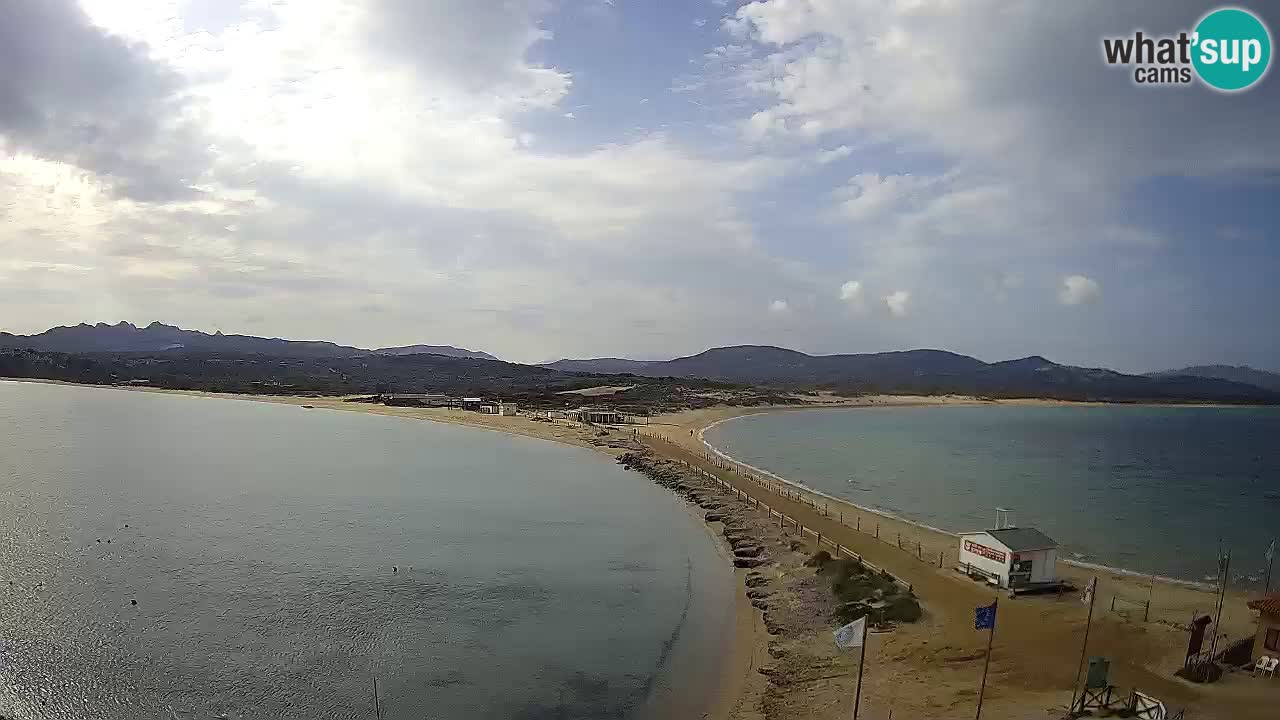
781 581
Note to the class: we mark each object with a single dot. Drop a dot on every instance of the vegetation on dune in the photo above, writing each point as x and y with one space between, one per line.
861 591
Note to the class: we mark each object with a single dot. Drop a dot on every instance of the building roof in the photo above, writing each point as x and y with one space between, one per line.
1023 539
1267 603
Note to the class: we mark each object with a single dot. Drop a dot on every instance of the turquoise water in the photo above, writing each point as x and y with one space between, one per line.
1151 489
530 580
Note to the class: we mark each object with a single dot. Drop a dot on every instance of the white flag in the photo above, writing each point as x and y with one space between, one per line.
1089 590
850 636
1271 551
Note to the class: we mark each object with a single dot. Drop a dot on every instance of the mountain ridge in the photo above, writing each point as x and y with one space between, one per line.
203 358
928 371
1265 379
159 337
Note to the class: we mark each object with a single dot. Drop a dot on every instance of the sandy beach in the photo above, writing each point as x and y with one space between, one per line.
1039 647
930 668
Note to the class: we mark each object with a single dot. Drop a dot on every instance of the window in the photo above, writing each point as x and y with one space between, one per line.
1273 639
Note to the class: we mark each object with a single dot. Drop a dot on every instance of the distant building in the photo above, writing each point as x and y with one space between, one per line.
470 403
1010 557
417 399
600 416
1267 641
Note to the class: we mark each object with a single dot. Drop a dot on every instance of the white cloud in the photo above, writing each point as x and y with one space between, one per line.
699 22
869 194
836 153
896 302
851 293
779 306
1077 290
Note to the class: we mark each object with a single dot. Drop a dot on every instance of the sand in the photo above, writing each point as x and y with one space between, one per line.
1038 645
930 669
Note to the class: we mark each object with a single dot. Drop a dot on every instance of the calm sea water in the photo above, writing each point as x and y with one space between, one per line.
533 580
1151 489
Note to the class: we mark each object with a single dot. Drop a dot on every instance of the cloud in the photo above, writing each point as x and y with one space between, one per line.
896 302
1077 290
71 93
699 22
851 292
834 154
907 71
869 194
779 307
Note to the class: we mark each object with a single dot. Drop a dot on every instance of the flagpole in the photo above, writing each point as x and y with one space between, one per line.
987 664
862 661
1084 647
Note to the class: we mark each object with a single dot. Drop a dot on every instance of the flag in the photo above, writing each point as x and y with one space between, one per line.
850 636
984 618
1089 590
1271 551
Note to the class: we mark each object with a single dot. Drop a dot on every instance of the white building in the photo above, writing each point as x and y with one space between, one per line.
1010 557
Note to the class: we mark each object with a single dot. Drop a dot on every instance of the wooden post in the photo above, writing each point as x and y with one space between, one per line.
940 554
899 541
877 531
1093 596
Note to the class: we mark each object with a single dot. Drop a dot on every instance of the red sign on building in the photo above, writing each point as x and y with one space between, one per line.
984 551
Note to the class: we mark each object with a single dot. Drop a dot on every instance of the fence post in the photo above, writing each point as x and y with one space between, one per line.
919 552
859 523
899 541
940 554
877 531
1146 612
1113 603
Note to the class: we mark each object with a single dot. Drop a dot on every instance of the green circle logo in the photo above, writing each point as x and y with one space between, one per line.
1232 49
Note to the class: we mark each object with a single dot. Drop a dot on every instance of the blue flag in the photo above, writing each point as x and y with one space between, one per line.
984 618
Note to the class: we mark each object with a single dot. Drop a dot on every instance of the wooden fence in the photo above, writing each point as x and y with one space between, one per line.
862 521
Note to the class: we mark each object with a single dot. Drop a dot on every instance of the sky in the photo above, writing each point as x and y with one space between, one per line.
639 178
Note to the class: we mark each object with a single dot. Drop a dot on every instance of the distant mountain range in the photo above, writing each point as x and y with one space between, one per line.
446 350
173 357
925 371
126 337
1235 373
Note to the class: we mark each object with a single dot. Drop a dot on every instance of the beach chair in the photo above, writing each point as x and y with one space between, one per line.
1260 666
1271 667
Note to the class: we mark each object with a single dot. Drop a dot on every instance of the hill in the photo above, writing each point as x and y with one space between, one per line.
930 372
258 373
446 350
1235 373
158 337
126 337
610 366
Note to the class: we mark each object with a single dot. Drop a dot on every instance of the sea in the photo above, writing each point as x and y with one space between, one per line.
1164 490
168 556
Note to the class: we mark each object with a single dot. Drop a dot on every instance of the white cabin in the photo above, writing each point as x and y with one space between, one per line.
1010 557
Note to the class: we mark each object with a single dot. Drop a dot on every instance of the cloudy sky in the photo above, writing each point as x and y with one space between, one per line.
643 178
